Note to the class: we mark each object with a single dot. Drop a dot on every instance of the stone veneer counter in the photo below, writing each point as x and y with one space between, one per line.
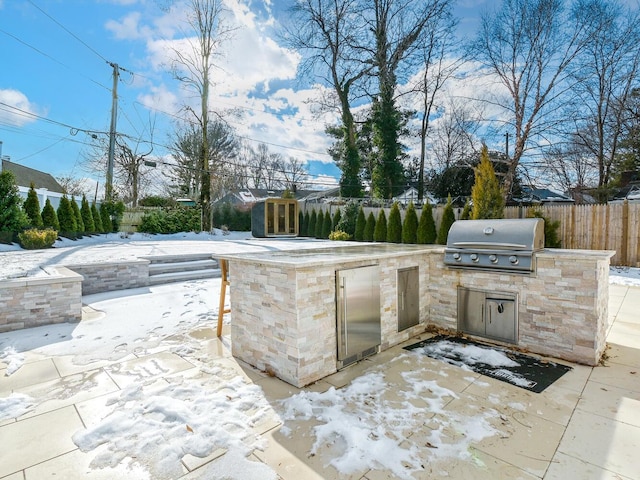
283 303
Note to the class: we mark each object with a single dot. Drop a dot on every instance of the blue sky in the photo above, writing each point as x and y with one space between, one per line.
55 87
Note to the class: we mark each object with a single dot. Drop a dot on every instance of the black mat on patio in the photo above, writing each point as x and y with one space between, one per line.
516 368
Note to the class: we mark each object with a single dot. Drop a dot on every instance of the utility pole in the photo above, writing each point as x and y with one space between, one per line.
506 149
108 189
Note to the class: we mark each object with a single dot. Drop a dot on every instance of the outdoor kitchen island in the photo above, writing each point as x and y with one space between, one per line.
285 309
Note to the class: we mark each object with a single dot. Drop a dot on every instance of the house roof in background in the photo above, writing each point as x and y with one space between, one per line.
25 175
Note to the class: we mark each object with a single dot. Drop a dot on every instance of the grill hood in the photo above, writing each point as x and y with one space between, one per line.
504 234
501 245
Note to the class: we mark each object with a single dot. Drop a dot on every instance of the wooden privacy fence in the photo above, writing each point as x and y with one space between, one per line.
614 226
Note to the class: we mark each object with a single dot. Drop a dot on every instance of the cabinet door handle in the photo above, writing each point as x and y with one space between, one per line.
344 314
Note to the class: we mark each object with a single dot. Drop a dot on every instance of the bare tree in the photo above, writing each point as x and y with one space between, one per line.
331 32
571 167
129 172
529 45
72 185
605 74
437 45
194 67
453 138
294 174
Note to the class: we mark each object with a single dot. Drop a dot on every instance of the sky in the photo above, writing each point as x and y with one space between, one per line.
58 60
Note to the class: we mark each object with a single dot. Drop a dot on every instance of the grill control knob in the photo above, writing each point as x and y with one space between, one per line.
474 257
456 257
493 258
513 260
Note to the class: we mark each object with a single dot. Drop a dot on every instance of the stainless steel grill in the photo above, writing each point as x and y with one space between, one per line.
499 245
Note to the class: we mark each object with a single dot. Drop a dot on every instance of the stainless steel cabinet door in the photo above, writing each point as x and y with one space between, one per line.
501 319
408 300
471 311
358 310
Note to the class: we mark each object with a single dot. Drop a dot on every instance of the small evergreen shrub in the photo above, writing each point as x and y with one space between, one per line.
34 239
349 216
326 225
369 228
49 216
380 231
304 225
97 220
32 207
87 217
313 219
448 217
12 217
339 235
426 226
361 223
486 192
105 219
172 220
77 215
551 227
410 225
394 226
336 219
67 218
319 224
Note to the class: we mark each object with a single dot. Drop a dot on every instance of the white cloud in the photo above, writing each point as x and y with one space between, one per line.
20 110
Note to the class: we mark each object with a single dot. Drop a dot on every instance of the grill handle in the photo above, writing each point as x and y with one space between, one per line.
513 246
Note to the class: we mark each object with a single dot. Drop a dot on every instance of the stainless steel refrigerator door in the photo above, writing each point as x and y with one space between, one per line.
408 301
358 312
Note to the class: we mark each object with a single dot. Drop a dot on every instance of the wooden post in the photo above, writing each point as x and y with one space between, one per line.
224 267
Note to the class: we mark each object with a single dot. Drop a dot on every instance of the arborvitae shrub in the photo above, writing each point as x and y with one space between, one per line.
77 215
427 226
225 213
326 225
32 208
410 225
313 219
12 217
300 223
394 226
349 216
448 217
319 224
105 219
87 217
369 228
66 218
486 193
361 223
336 219
304 226
34 238
97 220
49 216
380 231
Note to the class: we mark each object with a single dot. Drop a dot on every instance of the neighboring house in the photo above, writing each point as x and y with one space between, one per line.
411 195
631 192
45 185
539 196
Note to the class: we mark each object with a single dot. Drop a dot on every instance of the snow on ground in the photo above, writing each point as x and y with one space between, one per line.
213 407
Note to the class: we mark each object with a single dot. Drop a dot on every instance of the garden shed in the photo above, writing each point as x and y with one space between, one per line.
275 217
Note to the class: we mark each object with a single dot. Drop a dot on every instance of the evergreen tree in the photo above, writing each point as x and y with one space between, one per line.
49 216
12 217
369 228
77 215
394 227
87 217
32 207
313 219
448 217
348 219
336 219
486 192
361 223
319 224
300 223
427 226
326 225
97 220
66 217
410 225
105 218
304 225
380 231
466 211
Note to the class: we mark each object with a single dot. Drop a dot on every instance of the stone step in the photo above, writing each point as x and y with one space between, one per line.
191 265
190 257
163 278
